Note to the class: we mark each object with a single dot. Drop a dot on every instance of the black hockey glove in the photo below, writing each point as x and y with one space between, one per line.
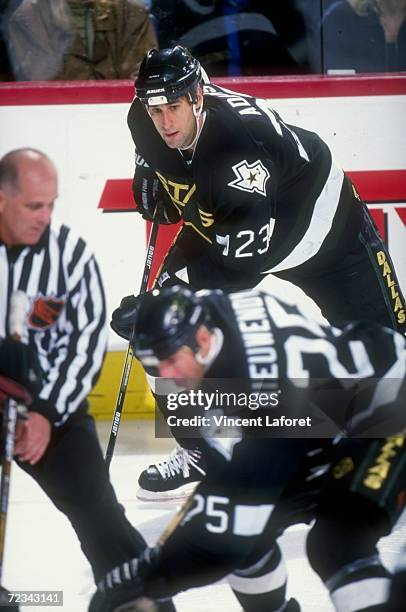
123 318
153 202
125 584
20 363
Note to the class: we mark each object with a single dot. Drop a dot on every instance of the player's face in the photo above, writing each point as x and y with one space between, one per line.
175 122
25 213
182 366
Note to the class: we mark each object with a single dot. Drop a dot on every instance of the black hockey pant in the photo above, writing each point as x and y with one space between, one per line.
74 475
229 528
361 285
237 513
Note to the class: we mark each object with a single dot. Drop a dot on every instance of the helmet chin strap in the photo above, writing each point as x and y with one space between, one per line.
197 114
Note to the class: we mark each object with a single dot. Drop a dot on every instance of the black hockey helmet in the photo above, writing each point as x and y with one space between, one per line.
167 319
166 75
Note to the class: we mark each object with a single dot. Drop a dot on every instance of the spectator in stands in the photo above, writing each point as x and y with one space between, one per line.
6 73
77 39
232 37
365 36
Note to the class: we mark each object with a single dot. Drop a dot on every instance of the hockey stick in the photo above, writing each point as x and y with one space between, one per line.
115 424
18 312
177 519
145 604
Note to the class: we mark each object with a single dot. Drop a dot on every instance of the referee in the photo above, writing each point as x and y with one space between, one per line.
57 444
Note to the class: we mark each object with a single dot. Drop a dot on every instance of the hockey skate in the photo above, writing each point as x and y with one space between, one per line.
173 479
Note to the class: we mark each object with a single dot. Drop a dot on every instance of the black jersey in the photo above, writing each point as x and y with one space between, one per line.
349 380
256 485
264 196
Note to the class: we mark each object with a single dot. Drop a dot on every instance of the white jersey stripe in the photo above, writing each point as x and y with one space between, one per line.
251 520
321 222
89 330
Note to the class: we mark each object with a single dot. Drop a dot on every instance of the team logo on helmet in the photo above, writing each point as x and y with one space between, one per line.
45 312
250 177
167 320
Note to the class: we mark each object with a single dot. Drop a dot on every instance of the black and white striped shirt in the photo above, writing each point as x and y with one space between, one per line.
66 322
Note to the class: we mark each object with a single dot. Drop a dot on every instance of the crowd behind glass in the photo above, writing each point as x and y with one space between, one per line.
106 39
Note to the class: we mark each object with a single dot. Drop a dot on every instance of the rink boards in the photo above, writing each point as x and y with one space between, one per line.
82 127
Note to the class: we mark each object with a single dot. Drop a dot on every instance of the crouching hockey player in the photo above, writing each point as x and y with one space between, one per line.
256 485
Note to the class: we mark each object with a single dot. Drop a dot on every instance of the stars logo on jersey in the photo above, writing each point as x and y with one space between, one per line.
250 177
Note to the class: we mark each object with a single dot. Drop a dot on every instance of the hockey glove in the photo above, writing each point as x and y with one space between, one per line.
124 588
123 318
153 202
20 363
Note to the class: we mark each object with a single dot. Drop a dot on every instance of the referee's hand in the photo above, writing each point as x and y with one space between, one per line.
32 439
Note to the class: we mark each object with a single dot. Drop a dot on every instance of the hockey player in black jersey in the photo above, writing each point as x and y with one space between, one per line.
256 196
355 377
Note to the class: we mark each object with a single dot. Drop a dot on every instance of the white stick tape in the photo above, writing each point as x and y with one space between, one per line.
18 313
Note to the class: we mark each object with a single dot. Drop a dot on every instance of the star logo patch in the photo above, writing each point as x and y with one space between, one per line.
250 177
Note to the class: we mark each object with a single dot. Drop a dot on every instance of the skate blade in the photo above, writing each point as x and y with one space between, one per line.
176 496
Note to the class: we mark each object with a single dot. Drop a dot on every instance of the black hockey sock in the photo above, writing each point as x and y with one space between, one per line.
347 560
365 583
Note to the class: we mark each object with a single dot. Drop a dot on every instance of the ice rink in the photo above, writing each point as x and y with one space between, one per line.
42 552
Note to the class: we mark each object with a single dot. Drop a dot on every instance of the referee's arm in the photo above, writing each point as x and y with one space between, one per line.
76 364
